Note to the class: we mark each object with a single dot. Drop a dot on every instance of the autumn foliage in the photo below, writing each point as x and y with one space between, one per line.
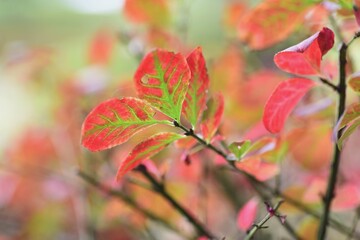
259 135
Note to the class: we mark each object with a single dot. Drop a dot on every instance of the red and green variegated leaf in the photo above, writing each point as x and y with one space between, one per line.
162 79
257 26
352 112
305 57
115 121
212 116
347 132
354 82
195 100
283 100
146 149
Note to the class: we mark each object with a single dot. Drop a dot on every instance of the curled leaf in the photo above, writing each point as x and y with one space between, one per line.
115 121
195 100
305 57
162 79
347 132
146 149
239 149
282 102
354 81
351 113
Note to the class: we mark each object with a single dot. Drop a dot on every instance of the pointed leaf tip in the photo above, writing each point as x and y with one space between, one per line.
162 79
115 121
195 100
305 57
282 101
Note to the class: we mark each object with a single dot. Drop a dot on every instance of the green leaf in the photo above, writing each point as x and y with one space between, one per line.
239 149
347 132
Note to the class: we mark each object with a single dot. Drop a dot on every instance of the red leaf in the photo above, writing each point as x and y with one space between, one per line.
247 214
152 12
115 121
195 100
283 100
146 149
305 57
162 79
100 48
357 14
258 26
212 116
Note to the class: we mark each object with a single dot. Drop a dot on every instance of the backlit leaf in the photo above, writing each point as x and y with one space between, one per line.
152 12
258 27
247 214
146 149
305 57
195 100
162 79
283 100
354 82
347 132
212 116
115 121
351 113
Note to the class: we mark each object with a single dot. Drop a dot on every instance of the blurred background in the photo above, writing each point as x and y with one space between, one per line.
61 58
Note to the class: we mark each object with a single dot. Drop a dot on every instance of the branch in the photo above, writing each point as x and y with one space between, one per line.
159 188
336 159
333 223
260 225
126 199
330 84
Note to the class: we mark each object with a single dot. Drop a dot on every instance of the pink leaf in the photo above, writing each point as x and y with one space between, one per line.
146 149
162 79
247 214
212 116
195 100
261 170
305 57
283 100
115 121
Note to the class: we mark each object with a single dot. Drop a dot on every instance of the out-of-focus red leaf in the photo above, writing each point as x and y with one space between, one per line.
146 149
315 137
315 190
347 197
186 143
195 100
305 57
162 79
261 170
354 81
233 14
283 100
115 121
152 12
212 116
101 48
247 214
258 26
357 13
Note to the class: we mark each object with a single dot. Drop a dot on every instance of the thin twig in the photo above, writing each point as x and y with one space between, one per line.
330 84
332 222
159 188
128 200
261 224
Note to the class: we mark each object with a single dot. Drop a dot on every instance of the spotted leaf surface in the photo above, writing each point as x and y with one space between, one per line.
146 149
162 79
115 121
195 100
305 57
283 100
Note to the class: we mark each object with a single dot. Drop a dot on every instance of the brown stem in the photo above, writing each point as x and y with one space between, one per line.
159 188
